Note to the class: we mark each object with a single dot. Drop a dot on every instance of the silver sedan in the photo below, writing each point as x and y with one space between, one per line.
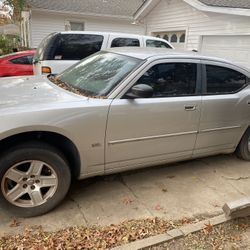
116 110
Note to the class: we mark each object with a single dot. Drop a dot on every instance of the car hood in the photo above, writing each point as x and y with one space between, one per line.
31 92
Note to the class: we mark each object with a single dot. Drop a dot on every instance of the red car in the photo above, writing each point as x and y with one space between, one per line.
17 64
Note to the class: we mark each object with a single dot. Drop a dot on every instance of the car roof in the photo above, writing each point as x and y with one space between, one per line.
18 54
111 33
164 53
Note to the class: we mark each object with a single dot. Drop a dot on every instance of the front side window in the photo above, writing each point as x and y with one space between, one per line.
24 60
171 79
221 80
125 42
157 44
98 74
75 46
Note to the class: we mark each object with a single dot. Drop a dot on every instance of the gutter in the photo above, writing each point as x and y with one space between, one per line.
221 10
145 8
148 5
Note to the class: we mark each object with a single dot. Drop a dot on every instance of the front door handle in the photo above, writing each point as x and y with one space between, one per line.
190 107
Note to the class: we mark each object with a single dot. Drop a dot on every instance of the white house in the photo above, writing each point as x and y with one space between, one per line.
214 27
47 16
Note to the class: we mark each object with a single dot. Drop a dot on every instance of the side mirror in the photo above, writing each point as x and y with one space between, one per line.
140 91
35 60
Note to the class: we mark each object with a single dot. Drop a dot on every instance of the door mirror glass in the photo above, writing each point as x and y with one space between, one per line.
140 91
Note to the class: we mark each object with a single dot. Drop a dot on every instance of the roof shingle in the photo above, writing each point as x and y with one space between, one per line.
125 8
243 4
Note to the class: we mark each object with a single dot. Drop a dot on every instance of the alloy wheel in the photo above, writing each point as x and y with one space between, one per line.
29 183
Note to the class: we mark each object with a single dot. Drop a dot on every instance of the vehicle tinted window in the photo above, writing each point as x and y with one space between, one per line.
46 48
171 79
76 46
27 60
125 42
157 44
222 80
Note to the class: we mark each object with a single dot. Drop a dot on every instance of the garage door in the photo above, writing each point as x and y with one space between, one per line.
233 48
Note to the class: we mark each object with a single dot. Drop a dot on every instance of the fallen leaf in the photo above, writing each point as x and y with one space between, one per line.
185 221
170 176
208 228
127 201
15 223
158 207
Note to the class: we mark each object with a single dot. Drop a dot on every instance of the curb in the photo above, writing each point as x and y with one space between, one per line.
173 234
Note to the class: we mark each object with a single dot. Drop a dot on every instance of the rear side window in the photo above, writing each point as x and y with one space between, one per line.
221 80
69 46
77 46
125 42
157 44
26 60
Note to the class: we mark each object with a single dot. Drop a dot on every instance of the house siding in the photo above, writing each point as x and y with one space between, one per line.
42 24
171 15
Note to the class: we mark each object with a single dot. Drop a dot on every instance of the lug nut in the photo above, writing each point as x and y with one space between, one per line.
37 181
25 179
32 187
25 186
32 176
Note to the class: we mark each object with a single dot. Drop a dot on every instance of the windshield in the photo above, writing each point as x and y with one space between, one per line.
97 75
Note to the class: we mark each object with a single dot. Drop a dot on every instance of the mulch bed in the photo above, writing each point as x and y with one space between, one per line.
96 237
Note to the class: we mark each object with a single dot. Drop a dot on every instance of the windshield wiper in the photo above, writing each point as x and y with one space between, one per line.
68 87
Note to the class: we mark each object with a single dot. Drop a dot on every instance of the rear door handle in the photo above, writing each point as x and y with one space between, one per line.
190 107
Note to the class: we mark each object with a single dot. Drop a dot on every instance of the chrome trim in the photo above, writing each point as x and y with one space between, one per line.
151 137
219 129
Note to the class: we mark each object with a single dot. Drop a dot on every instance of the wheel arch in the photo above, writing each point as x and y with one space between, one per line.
55 139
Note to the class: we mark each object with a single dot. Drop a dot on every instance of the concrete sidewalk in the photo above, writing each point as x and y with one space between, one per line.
193 188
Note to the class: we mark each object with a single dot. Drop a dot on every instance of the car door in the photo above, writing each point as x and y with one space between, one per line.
147 131
224 104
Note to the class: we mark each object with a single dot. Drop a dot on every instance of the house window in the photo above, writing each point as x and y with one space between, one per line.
76 26
177 37
182 38
173 38
166 37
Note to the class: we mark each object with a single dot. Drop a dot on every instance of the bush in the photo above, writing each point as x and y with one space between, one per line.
7 43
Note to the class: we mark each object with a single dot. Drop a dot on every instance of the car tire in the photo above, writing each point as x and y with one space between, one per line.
243 149
34 179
